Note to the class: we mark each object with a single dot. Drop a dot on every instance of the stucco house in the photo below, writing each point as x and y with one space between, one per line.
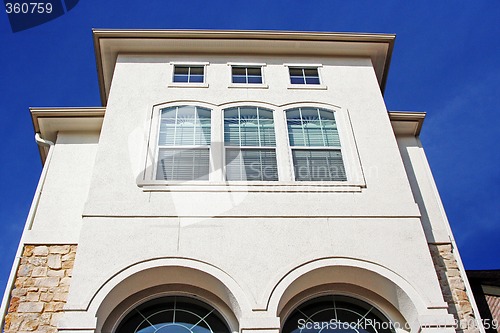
237 181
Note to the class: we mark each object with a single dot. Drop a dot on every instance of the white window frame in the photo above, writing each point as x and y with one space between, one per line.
262 85
225 147
203 84
320 86
286 179
151 163
179 147
348 146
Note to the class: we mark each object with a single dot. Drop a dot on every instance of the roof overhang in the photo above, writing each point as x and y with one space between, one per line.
50 121
109 43
407 123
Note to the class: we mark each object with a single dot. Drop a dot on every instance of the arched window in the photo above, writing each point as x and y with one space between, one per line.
315 143
184 143
337 314
250 144
173 314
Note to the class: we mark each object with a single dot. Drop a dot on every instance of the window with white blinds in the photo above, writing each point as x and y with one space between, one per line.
184 143
250 144
315 144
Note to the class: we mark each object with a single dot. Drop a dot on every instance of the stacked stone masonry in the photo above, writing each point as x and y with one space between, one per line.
453 288
41 288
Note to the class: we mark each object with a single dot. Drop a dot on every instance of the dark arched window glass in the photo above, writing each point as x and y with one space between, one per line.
173 315
337 314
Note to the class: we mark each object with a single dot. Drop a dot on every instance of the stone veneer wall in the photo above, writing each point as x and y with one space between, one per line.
41 288
453 287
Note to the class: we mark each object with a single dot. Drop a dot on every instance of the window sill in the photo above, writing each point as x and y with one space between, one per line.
248 86
307 86
187 85
242 186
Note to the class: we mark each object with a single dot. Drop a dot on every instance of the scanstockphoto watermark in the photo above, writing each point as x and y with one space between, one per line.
365 323
362 324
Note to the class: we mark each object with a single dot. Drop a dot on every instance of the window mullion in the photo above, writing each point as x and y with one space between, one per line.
321 128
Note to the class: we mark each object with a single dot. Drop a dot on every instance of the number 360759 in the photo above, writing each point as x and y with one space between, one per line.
28 8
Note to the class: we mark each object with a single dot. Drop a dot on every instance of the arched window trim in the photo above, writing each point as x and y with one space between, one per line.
212 301
286 182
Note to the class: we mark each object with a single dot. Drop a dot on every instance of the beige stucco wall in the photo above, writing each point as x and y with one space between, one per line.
58 217
254 251
262 237
139 83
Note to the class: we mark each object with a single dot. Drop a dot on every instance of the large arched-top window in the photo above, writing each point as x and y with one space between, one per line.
184 143
173 314
250 144
315 143
331 313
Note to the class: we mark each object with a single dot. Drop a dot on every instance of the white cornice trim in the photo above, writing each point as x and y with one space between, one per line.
109 43
50 121
407 123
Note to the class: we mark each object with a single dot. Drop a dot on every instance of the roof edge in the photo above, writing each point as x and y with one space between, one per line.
49 121
415 118
99 34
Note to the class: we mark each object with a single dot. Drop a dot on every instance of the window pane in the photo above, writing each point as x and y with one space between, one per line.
254 79
173 314
296 72
249 126
318 165
184 70
181 74
312 80
254 71
312 127
249 133
239 79
297 80
185 126
181 78
313 134
239 71
196 78
183 164
251 164
311 72
186 113
197 70
293 114
231 127
326 115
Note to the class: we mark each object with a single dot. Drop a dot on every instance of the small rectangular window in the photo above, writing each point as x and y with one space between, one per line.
246 75
189 74
304 75
315 143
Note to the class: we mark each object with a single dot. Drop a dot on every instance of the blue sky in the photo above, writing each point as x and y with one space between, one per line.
446 62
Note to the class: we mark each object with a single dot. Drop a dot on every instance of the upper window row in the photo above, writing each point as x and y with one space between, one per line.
240 74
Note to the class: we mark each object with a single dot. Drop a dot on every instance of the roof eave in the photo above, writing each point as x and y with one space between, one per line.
50 121
406 122
311 37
